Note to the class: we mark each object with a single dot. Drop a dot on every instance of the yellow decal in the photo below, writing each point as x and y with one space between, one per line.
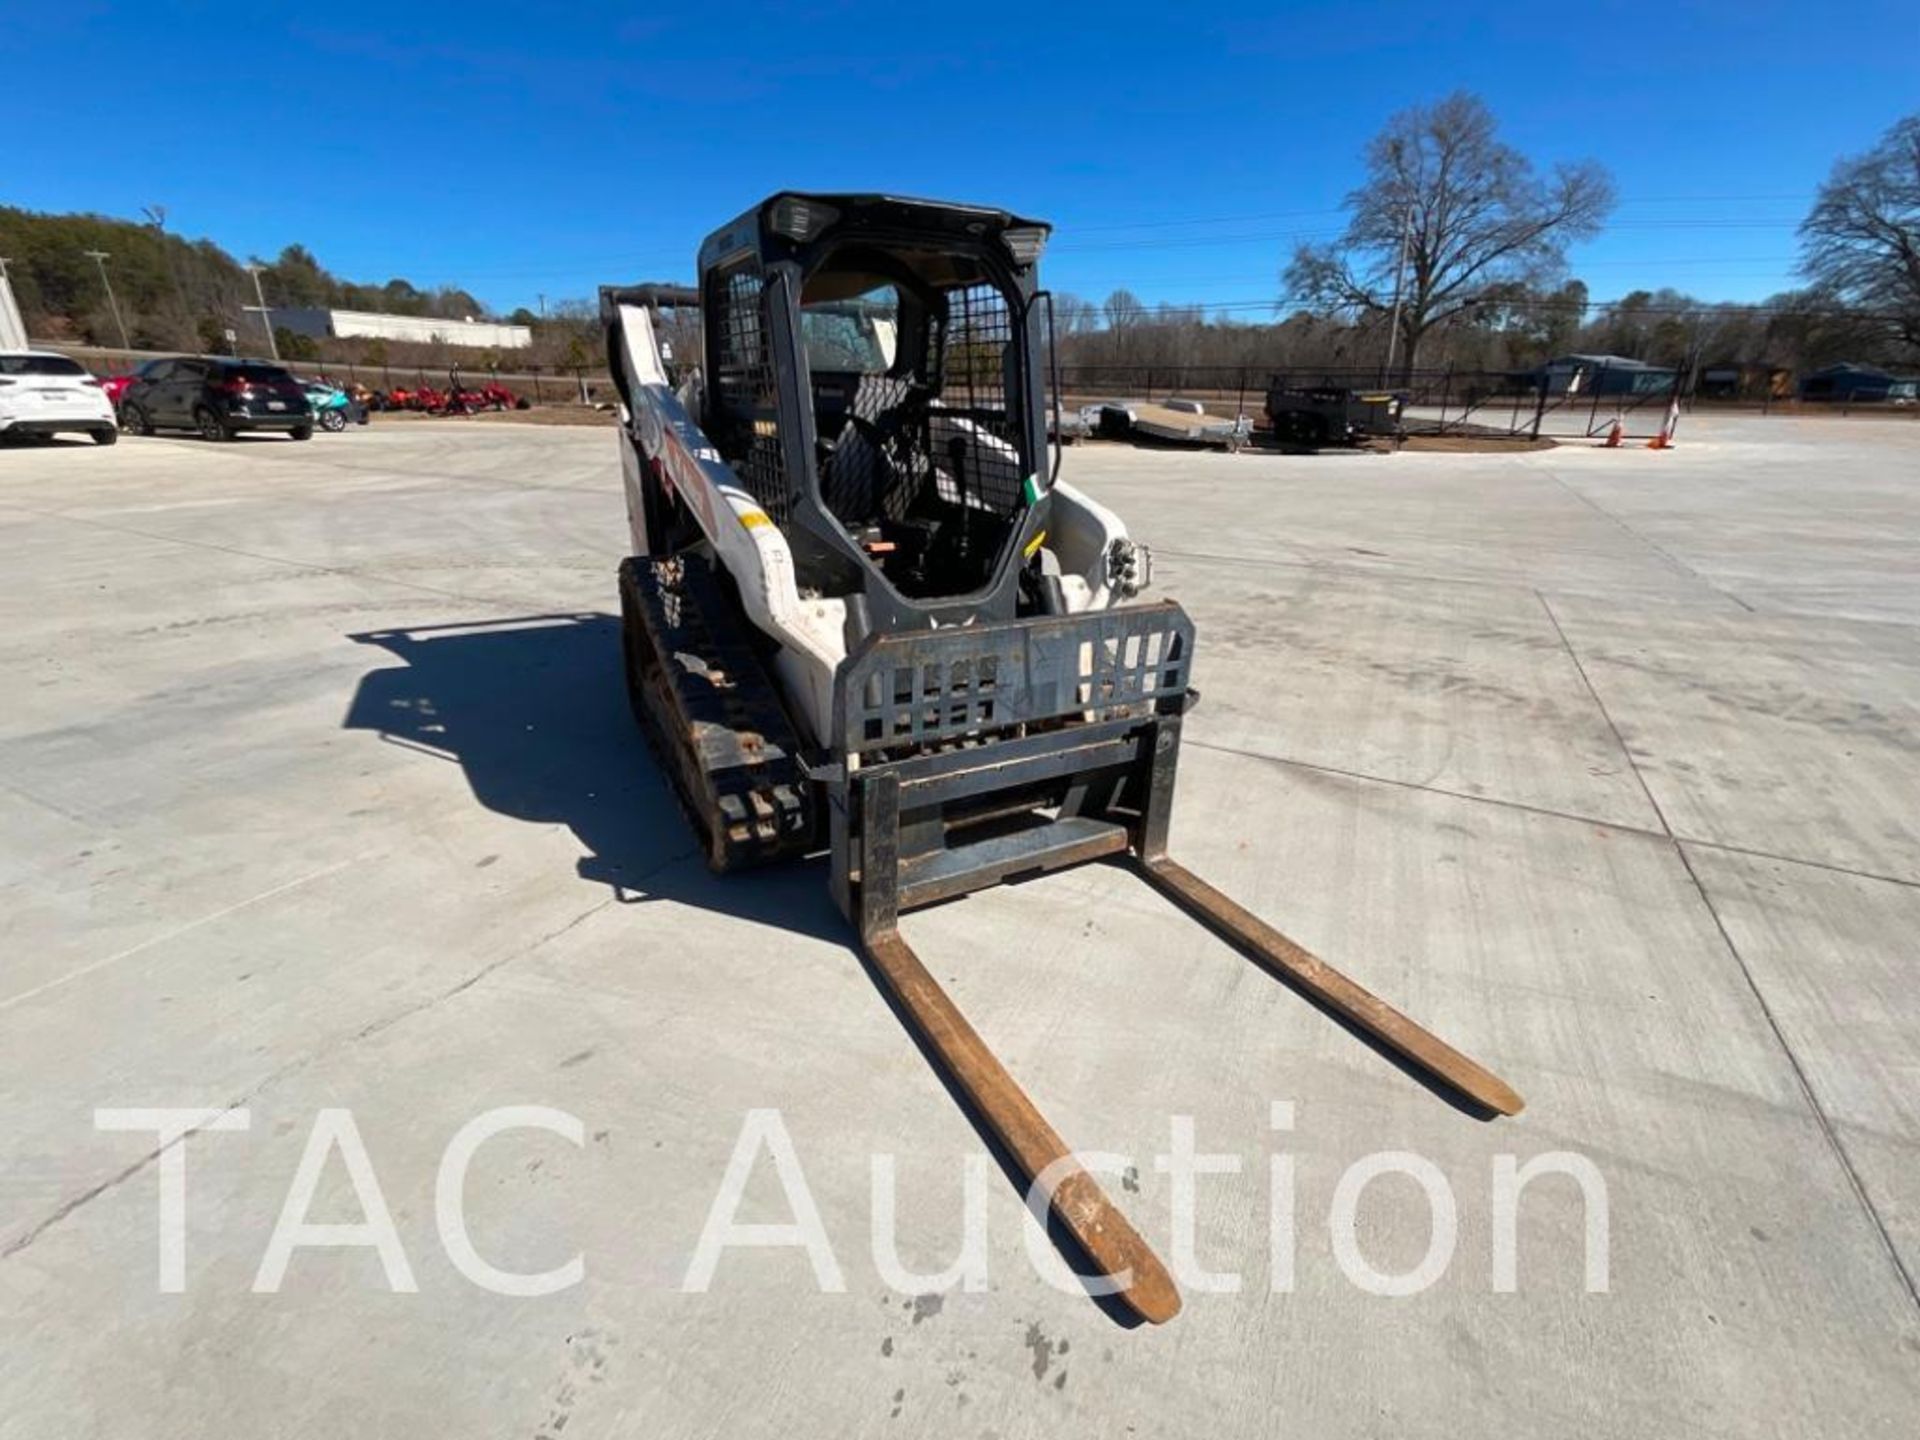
1033 545
754 519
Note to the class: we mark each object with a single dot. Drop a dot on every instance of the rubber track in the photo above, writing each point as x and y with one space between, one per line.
713 715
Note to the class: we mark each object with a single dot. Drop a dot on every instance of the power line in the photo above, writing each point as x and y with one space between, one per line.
1266 237
1801 197
1201 220
1706 309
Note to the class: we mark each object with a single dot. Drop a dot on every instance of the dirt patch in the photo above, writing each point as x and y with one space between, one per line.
538 415
1264 444
1465 444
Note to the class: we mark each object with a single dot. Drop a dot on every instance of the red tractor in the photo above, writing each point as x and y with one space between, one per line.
496 396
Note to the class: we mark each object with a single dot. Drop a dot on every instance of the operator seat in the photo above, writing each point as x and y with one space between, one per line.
862 481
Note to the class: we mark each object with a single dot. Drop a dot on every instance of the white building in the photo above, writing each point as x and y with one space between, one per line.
324 324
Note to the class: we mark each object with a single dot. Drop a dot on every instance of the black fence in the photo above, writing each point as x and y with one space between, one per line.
1559 401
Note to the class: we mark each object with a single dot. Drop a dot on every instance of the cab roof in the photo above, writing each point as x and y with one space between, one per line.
856 211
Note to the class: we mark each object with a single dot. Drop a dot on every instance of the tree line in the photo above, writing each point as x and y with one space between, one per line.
1797 331
1454 257
173 293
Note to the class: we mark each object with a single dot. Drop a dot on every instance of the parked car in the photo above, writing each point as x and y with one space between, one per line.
218 397
45 394
117 386
332 406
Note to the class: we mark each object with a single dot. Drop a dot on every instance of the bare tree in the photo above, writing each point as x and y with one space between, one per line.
1123 310
1125 317
1471 213
1073 315
1861 242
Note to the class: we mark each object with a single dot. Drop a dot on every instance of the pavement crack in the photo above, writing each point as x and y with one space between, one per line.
1424 788
1821 1119
1678 565
87 1197
75 1203
1827 1128
59 980
345 572
1593 693
1498 802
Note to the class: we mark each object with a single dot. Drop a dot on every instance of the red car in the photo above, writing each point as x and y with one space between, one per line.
115 386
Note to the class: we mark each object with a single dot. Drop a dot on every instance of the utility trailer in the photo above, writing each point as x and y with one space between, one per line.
1315 415
864 614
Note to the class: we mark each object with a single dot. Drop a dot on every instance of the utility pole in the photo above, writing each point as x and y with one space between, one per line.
543 305
266 319
100 258
1399 282
157 221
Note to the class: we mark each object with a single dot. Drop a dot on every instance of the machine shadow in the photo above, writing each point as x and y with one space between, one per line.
534 711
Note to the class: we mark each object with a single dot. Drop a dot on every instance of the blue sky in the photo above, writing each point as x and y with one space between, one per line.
516 149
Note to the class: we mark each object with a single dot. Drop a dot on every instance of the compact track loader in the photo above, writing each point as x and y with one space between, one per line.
863 613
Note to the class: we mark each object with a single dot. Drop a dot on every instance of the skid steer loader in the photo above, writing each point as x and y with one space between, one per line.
863 613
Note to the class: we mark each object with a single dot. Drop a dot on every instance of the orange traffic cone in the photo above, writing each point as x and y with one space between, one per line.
1664 440
1615 435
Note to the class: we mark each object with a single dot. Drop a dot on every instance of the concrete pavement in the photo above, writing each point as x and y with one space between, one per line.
317 790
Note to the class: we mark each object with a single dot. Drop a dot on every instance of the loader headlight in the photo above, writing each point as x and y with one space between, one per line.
1025 242
800 219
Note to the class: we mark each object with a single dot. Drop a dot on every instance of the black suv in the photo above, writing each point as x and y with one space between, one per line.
217 397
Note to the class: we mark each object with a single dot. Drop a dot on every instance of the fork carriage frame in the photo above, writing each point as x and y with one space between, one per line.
956 741
986 753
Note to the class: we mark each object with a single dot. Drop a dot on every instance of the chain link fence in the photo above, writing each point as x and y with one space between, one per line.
1555 401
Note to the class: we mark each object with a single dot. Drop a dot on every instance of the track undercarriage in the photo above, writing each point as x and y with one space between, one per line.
712 715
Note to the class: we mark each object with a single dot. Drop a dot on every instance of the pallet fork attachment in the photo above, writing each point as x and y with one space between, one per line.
1307 972
1085 714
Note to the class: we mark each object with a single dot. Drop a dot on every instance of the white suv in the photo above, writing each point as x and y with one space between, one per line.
42 393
